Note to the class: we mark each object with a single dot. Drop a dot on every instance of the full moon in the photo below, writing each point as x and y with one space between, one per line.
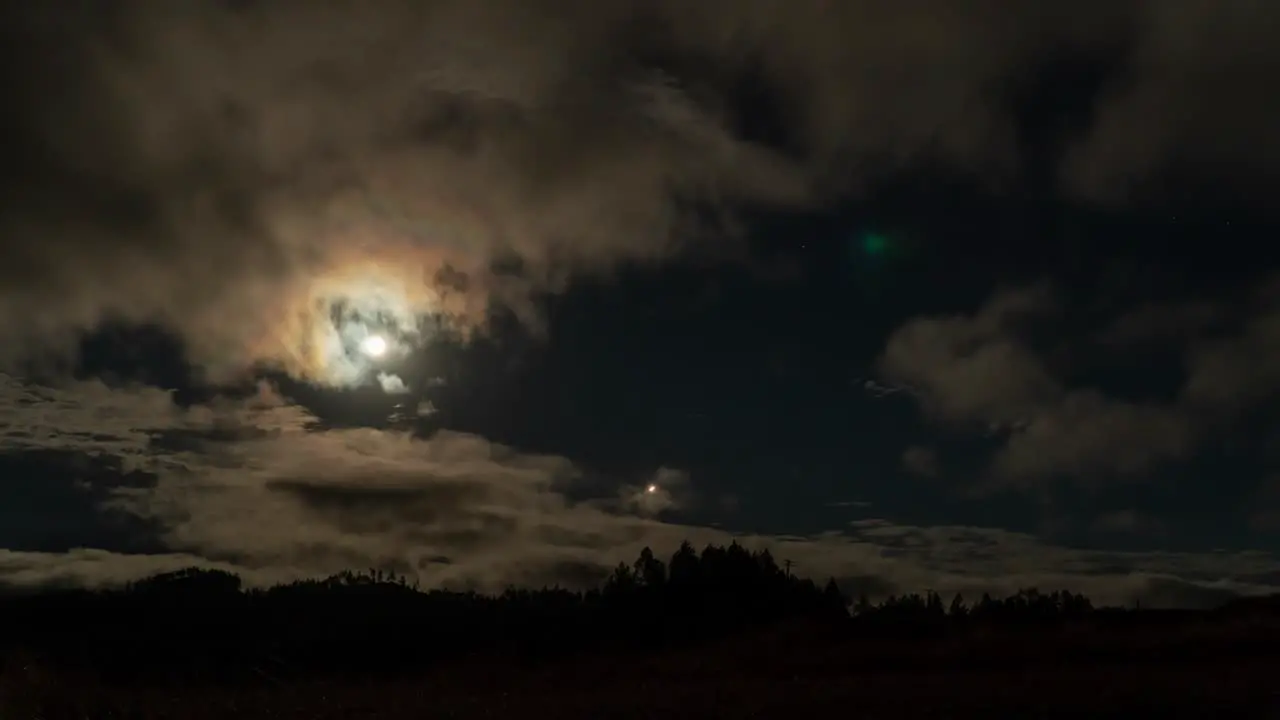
374 346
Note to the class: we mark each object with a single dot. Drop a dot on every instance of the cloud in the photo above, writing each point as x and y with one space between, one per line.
921 461
1090 437
87 417
1128 522
668 489
241 171
1156 323
981 373
252 168
973 560
1196 64
95 568
1229 371
259 487
392 384
973 368
978 371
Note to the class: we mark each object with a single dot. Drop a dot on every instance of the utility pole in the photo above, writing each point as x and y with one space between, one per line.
787 564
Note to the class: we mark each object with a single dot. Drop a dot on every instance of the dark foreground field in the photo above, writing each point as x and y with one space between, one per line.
745 677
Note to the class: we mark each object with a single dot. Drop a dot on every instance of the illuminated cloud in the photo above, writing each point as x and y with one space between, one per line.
392 384
275 180
667 489
256 487
238 170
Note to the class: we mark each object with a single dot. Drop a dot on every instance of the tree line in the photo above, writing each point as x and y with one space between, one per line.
208 620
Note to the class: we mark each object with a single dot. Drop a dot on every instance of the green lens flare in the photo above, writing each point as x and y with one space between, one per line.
874 244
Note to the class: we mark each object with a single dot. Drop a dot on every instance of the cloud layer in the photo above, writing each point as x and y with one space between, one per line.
233 169
258 487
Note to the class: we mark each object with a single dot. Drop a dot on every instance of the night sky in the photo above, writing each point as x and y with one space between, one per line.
938 295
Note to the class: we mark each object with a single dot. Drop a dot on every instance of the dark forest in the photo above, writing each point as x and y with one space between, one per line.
195 640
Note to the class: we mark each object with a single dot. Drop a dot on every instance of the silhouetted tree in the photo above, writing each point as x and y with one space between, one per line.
622 583
834 598
684 566
650 570
863 605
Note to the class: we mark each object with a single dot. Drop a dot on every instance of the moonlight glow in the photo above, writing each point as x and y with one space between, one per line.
345 323
374 346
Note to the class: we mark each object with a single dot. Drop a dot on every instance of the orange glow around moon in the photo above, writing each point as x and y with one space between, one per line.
363 276
338 324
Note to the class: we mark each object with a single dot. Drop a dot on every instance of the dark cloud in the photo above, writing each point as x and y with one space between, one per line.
1161 323
981 372
1229 371
230 169
921 461
1188 103
1128 522
986 373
